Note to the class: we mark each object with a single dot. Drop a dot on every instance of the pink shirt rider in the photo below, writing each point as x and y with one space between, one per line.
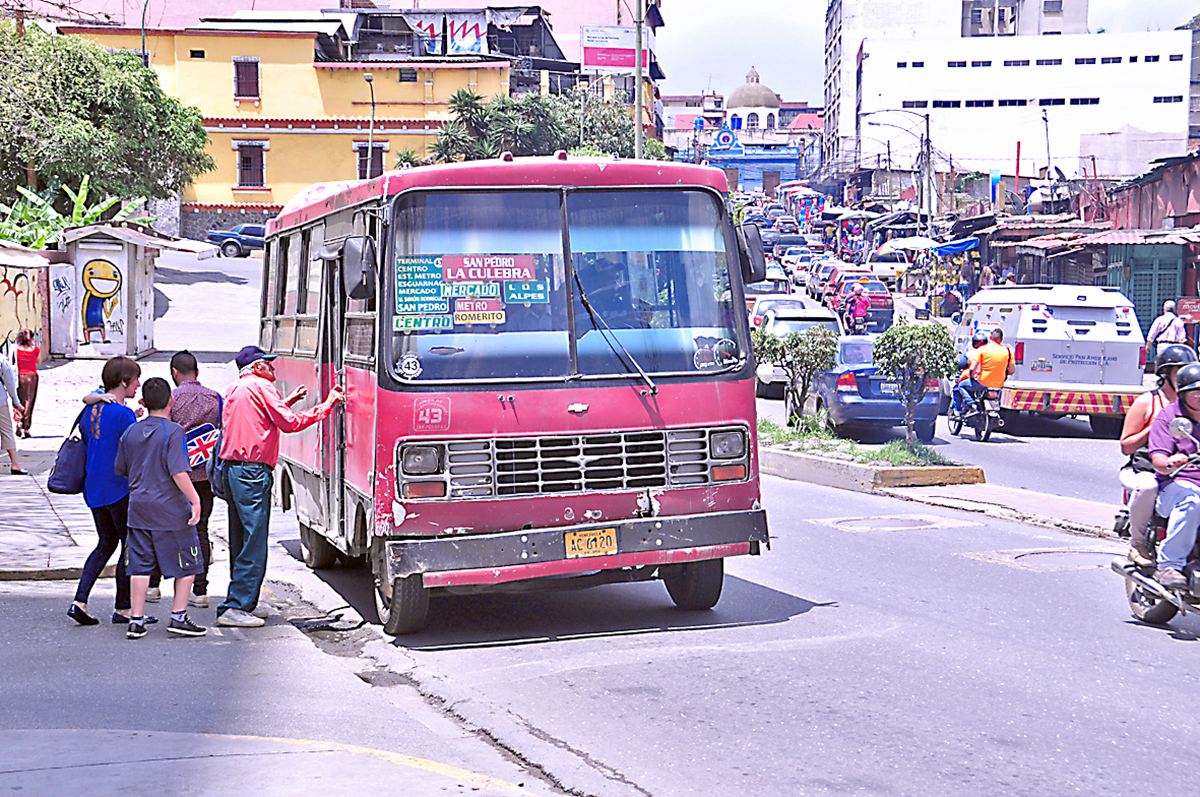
255 415
860 303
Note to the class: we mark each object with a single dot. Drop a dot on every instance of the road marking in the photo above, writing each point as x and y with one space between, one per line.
912 522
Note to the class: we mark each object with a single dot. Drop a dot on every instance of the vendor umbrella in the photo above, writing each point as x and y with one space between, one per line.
915 242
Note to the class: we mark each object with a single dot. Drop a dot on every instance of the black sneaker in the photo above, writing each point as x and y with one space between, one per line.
135 631
186 627
1170 578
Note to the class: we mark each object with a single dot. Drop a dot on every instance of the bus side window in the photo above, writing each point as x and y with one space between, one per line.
266 335
291 296
308 305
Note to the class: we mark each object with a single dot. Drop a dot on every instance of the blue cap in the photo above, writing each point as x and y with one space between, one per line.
251 354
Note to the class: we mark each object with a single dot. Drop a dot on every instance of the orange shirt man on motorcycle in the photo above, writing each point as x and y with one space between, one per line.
994 362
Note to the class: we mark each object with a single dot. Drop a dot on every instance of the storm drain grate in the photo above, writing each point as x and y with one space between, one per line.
893 523
1042 560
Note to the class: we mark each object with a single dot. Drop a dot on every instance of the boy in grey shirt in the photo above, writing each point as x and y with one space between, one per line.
162 525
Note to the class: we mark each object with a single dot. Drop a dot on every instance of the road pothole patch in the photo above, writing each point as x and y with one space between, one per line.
1047 560
907 522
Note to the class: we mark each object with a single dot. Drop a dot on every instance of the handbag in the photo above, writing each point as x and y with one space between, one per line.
70 464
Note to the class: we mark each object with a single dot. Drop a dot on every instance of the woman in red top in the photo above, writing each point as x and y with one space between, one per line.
27 378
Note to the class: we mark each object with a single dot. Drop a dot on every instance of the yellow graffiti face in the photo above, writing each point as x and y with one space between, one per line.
101 278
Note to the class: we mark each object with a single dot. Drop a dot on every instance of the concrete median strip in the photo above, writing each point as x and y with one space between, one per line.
862 478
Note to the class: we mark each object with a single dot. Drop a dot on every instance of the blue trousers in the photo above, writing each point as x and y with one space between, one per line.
964 390
1181 502
248 494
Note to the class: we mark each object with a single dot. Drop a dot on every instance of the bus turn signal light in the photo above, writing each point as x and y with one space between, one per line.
426 489
729 473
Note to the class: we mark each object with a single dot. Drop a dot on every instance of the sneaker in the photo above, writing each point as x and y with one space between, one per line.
199 601
186 627
120 619
239 619
153 595
1140 556
1170 578
135 631
260 611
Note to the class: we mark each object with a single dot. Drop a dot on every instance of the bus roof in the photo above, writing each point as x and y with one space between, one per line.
554 171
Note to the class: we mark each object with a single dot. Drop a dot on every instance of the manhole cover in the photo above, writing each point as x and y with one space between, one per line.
893 523
884 523
1057 560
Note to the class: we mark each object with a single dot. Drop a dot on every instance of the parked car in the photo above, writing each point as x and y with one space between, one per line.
765 304
782 321
834 283
787 224
884 267
853 393
239 241
879 317
770 236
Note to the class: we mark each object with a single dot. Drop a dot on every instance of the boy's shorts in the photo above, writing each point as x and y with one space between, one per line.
177 553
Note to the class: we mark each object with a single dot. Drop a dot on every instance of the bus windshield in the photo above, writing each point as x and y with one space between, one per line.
486 285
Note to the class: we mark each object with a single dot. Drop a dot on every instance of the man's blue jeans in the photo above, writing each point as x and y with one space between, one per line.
1179 502
248 493
963 392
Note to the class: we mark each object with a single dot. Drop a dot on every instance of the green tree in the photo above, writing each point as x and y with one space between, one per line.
407 158
33 221
801 355
70 109
1191 24
913 356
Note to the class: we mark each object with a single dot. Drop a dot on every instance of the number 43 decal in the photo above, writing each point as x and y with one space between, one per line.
431 415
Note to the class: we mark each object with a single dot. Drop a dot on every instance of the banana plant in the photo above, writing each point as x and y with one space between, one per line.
34 222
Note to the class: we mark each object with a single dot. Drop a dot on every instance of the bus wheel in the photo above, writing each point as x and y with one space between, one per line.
695 585
404 609
318 552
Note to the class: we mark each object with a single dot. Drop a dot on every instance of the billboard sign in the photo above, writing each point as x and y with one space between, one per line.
609 48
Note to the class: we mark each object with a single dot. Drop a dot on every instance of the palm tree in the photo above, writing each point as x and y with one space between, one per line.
407 158
468 108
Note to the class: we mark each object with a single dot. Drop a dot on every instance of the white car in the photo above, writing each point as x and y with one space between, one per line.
770 380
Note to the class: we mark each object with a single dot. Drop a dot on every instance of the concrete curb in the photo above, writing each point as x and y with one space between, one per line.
861 478
52 573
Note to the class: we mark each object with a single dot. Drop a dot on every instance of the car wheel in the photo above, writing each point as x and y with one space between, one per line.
925 431
231 249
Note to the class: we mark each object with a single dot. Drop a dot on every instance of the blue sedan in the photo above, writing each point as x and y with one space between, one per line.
853 394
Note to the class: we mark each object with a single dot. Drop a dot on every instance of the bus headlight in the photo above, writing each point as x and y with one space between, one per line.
727 445
420 460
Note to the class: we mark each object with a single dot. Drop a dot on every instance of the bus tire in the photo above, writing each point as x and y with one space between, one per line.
318 552
404 612
695 585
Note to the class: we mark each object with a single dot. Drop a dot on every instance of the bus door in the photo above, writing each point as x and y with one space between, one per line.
333 433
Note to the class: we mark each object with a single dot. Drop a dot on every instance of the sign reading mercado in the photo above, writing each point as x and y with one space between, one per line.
609 48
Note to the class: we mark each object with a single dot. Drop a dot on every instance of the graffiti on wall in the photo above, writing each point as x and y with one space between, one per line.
101 295
20 302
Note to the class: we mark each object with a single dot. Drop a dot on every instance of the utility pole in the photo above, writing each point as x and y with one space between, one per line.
638 132
1046 122
929 171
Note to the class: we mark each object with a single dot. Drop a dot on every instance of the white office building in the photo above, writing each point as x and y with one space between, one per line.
1125 114
1109 103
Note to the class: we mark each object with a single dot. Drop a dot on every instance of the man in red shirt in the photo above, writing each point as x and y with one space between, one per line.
254 416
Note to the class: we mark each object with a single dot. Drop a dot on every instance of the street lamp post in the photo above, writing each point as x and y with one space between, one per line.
926 185
638 132
144 54
370 78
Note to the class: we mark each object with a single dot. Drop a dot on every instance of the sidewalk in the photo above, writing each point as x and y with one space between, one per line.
1070 514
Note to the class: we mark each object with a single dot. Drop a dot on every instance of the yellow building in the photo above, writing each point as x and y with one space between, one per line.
287 105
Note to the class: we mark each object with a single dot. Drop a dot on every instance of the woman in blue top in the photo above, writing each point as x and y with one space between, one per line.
106 493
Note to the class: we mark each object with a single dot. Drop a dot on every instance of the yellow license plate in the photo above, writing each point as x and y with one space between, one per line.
593 542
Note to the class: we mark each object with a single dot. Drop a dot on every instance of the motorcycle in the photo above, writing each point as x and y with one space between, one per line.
981 411
1150 601
855 325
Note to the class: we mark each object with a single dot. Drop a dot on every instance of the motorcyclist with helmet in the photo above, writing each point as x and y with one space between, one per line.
1138 475
1178 481
858 304
968 382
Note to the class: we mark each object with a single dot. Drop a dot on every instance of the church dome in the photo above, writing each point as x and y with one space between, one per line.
752 94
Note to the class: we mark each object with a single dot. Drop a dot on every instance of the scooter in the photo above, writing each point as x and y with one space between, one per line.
982 412
1149 600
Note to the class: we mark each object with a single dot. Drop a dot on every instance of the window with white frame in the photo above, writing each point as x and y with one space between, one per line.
378 149
251 163
246 78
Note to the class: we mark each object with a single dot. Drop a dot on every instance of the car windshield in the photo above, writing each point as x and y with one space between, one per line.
786 326
484 289
768 286
856 352
871 286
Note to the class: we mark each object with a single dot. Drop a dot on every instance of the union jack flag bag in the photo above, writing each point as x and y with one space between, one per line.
201 443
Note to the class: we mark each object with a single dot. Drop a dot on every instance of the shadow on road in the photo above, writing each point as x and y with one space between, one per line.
527 618
174 276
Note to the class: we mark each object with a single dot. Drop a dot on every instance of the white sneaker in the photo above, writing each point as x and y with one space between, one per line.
153 595
199 601
239 619
260 611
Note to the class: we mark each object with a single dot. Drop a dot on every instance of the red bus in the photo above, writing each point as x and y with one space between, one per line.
548 373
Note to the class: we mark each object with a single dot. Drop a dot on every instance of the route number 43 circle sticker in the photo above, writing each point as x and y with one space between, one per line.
410 366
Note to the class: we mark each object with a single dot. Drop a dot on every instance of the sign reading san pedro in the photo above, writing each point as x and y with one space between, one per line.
482 268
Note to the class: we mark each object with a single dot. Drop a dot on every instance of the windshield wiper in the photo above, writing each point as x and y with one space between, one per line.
611 337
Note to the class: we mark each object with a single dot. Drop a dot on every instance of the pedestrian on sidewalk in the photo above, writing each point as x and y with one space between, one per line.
10 414
163 510
192 406
254 416
106 493
28 356
987 278
1167 328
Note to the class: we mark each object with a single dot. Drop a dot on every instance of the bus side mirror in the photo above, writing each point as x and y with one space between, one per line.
358 267
754 263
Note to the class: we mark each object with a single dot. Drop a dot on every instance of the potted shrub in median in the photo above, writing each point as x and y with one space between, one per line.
914 356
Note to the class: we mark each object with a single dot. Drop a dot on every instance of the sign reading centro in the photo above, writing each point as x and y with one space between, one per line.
483 268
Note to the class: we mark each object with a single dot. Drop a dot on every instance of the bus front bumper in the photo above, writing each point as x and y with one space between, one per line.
474 559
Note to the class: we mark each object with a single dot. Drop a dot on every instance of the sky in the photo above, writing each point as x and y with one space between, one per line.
711 44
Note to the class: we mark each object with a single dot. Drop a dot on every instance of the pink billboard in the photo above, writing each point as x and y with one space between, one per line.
609 48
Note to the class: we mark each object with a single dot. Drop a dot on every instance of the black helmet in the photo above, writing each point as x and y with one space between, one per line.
1187 378
979 338
1172 355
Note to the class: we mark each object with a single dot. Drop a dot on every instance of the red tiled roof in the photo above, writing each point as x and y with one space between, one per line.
684 121
805 121
264 206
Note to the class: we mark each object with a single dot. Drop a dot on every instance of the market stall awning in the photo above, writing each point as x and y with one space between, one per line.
912 243
955 247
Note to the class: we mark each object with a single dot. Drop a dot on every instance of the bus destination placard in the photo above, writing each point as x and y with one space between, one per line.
531 292
419 287
487 268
